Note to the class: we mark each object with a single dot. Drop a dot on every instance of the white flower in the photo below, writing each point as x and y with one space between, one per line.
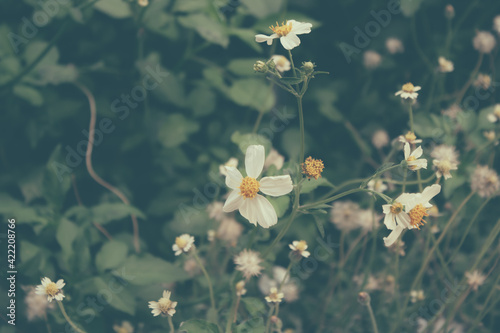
475 279
407 212
247 262
53 290
394 45
300 248
445 66
445 159
232 162
368 220
240 288
183 243
496 24
484 41
279 276
409 137
380 139
345 215
495 115
125 327
377 185
482 81
287 33
485 181
371 59
164 306
412 159
417 295
143 3
281 62
408 91
274 296
244 197
452 327
274 158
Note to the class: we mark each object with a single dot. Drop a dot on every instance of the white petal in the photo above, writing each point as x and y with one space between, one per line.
266 214
233 178
389 221
60 283
417 152
233 201
254 160
416 88
403 220
248 209
263 38
399 93
290 41
300 28
276 186
407 150
166 294
430 192
393 236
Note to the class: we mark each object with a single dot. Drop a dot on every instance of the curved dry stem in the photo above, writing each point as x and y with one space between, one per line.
90 169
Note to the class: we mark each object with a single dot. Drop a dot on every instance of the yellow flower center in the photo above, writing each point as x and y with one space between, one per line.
249 187
52 289
181 242
164 305
410 136
282 30
411 158
312 168
301 246
408 87
396 208
416 216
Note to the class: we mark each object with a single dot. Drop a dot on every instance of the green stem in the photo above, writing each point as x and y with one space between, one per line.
286 275
372 317
171 324
410 110
302 132
413 182
291 62
270 314
257 122
404 181
210 289
61 306
335 197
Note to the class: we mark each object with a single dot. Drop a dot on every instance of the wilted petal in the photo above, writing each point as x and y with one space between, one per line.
393 236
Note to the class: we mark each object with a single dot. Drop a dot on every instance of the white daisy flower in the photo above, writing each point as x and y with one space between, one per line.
409 137
475 279
244 197
282 64
183 243
274 296
412 159
287 33
164 306
300 248
409 91
53 290
407 212
495 115
445 66
279 277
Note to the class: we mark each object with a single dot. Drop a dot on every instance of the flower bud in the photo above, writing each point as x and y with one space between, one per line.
308 67
260 66
364 298
449 12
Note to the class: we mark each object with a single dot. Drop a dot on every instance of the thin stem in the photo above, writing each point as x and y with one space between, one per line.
302 132
471 78
372 317
417 46
410 111
286 275
270 314
90 168
61 306
257 122
171 324
404 181
335 197
210 289
412 182
291 61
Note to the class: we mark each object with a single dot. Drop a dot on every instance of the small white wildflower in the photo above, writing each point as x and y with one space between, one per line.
279 277
164 306
274 158
412 159
496 24
445 66
125 327
345 215
248 262
475 279
287 33
229 230
377 185
240 288
300 248
417 295
183 243
408 91
274 296
281 62
445 160
484 41
495 115
409 137
215 210
380 139
394 45
482 81
53 290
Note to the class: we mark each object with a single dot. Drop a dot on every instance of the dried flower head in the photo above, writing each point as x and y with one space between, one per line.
36 304
409 91
445 159
248 262
485 181
164 306
484 41
240 288
53 290
380 139
345 215
274 296
482 81
183 243
312 168
281 62
371 59
445 66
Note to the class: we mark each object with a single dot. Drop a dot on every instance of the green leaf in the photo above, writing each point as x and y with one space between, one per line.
175 129
66 234
254 306
190 5
116 294
207 28
28 251
54 191
312 184
254 93
111 255
318 220
157 19
263 8
291 80
108 212
245 140
482 119
18 210
146 270
35 48
29 94
202 101
453 183
247 36
254 325
9 68
118 9
199 326
280 204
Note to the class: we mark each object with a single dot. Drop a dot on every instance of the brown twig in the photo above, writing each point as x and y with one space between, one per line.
90 169
97 225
